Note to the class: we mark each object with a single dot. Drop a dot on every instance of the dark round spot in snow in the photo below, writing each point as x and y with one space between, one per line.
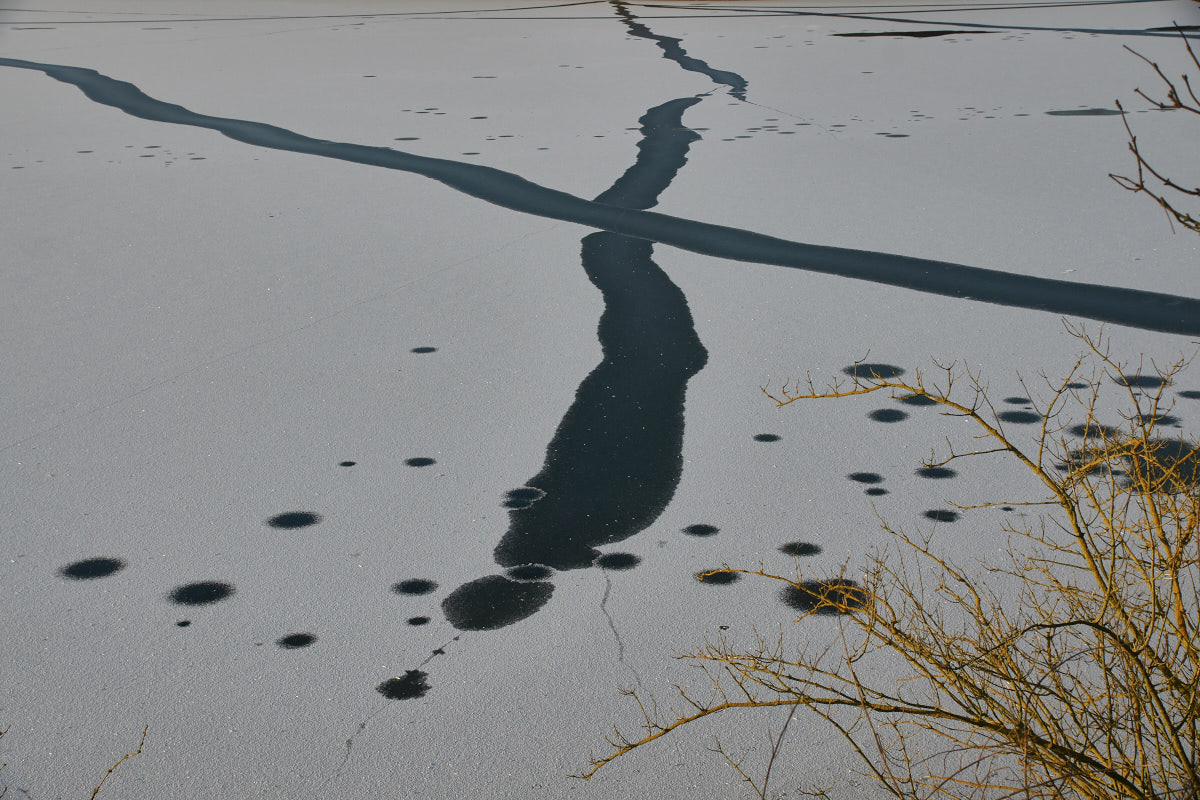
294 641
529 572
936 473
414 586
91 568
799 549
767 437
865 477
700 529
917 400
866 371
294 519
942 515
825 597
887 415
718 577
413 684
1019 417
618 561
494 601
419 462
201 593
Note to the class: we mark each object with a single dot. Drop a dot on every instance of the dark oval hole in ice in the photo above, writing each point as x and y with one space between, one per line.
92 568
1019 417
618 561
415 621
936 473
201 593
823 596
294 519
718 577
420 461
529 572
917 400
799 549
1139 381
414 586
701 529
878 371
294 641
413 684
494 601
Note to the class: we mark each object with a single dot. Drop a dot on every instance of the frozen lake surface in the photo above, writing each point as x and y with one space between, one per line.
379 375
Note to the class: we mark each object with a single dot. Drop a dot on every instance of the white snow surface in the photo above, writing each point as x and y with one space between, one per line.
195 332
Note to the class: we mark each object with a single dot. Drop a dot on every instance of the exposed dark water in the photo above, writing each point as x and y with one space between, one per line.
800 549
618 561
616 458
346 463
1020 417
942 515
917 400
767 437
808 595
701 529
1139 381
201 593
718 577
673 51
424 350
1093 430
92 568
1083 112
936 473
296 519
529 572
909 34
294 641
494 601
868 371
419 462
1130 307
415 586
413 684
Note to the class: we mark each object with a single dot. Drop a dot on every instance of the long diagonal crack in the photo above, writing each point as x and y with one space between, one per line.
1121 306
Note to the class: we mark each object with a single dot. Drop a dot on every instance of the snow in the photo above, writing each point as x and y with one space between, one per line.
192 346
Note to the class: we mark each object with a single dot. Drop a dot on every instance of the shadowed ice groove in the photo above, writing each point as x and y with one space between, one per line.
617 456
1131 307
673 50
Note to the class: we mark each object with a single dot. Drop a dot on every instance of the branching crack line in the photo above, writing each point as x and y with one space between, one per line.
612 626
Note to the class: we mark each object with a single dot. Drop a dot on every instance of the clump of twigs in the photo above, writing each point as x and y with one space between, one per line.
1163 189
1069 669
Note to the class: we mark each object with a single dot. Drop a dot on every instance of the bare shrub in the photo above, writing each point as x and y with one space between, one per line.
1080 682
